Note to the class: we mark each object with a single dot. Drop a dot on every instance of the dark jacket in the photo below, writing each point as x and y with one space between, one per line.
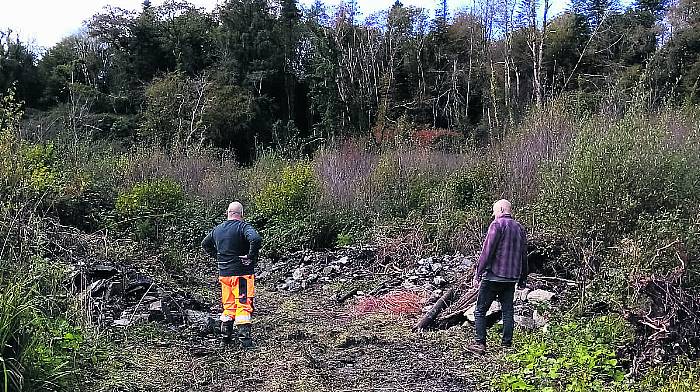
504 254
228 241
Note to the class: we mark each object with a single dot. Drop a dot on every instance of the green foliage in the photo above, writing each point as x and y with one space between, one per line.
613 176
156 210
403 186
41 168
289 197
575 356
681 377
471 189
153 197
345 239
37 350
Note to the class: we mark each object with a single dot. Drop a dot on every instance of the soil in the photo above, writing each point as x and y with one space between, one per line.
306 340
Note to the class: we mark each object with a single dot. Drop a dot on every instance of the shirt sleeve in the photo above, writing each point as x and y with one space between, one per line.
525 268
254 240
209 245
488 249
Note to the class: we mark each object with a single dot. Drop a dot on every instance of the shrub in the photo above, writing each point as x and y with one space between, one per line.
290 196
160 196
41 171
37 352
153 209
620 181
472 189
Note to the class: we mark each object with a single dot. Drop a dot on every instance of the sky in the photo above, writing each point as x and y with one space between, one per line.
42 23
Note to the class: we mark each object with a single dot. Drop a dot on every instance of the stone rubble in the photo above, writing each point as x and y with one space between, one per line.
306 269
122 298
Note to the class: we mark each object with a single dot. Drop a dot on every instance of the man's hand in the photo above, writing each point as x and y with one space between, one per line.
476 282
245 260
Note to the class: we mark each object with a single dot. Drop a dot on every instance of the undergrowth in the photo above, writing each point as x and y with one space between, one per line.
601 197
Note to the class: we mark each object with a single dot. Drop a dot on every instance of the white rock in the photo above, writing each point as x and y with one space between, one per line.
343 260
299 273
521 294
438 281
495 307
540 321
436 267
540 296
121 323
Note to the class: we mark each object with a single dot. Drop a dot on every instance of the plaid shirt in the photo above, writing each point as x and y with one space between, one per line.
505 251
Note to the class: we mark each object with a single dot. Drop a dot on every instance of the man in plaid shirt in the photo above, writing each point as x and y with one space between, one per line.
502 265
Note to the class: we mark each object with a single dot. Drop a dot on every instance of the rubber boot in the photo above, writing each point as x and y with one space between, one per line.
227 330
244 336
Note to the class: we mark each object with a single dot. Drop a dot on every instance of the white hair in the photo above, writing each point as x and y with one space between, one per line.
502 207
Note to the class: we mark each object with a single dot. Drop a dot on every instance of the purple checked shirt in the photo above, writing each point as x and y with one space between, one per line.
505 251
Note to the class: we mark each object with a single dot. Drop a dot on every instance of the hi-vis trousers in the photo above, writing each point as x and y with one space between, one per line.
237 293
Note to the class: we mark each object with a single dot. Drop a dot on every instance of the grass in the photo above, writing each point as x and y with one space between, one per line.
15 313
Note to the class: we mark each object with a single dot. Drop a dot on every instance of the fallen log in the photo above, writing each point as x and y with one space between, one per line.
461 306
429 317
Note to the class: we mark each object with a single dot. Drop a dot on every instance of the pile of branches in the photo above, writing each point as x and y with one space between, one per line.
670 327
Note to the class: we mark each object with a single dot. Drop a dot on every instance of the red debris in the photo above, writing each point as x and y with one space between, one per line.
402 303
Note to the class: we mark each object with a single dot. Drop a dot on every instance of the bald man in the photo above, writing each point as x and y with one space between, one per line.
235 244
502 265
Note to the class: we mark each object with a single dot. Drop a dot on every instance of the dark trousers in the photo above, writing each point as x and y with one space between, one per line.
488 292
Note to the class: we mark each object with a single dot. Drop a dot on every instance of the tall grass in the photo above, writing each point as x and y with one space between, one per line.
15 315
30 359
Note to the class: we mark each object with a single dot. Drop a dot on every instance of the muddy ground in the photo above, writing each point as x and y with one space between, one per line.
305 341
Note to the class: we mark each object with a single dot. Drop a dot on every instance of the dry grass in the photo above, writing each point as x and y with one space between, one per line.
305 343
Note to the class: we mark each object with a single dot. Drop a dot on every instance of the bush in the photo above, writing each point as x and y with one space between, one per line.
290 196
41 172
162 196
151 209
472 189
613 175
681 377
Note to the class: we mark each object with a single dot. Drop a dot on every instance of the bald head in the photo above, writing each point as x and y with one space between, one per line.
502 207
234 211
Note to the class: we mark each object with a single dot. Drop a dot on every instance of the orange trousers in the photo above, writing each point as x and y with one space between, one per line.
237 293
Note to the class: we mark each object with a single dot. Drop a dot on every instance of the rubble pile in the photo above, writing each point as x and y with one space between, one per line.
304 269
120 297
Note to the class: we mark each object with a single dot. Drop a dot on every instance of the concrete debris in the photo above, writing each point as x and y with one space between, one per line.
540 296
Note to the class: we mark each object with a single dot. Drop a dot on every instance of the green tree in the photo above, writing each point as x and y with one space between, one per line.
18 67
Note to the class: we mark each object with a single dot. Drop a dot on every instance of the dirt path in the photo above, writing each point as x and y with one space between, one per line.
305 342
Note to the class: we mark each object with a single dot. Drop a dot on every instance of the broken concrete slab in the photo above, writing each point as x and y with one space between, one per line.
540 296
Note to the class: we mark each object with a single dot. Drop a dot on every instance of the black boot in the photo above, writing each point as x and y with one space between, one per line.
227 330
244 336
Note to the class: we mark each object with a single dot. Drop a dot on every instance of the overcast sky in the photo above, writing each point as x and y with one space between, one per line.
45 22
